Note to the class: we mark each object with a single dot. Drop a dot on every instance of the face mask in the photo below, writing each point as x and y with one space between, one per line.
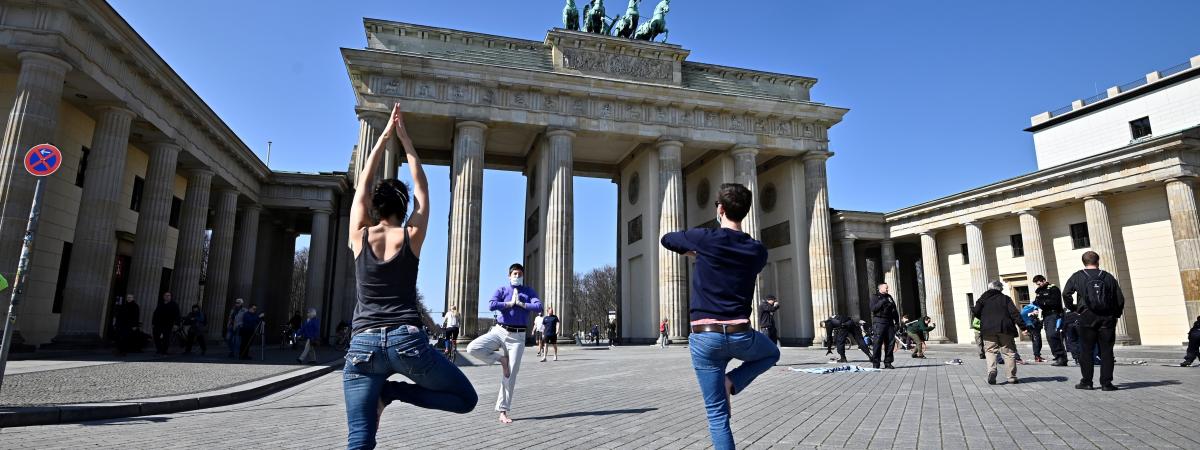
516 281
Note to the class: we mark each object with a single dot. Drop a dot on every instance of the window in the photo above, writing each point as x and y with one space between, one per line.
1022 295
135 200
1140 128
966 255
79 176
1079 236
176 206
1018 245
64 267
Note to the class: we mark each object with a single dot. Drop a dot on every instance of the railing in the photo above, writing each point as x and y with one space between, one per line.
1125 87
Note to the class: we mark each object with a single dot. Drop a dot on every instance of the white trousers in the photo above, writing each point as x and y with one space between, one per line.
308 347
492 346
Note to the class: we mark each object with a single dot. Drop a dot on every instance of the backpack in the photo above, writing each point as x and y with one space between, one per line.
1096 295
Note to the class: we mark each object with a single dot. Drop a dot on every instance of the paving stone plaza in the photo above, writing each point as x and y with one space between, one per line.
644 397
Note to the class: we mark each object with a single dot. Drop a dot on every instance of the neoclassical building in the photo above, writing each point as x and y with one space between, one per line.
150 171
1116 174
668 131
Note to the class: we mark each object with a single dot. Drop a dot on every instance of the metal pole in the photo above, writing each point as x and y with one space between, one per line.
18 288
268 154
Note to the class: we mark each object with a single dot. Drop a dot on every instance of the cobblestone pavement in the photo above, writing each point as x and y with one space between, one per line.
103 377
644 397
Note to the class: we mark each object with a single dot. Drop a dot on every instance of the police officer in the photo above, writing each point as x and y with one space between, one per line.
1048 298
837 329
885 318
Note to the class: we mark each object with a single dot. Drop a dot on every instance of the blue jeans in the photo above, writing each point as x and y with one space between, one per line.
234 338
373 357
711 353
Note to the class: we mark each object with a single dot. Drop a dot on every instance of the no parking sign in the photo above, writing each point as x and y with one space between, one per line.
43 160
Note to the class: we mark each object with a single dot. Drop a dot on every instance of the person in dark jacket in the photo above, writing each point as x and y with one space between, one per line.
1193 349
766 318
164 322
250 321
310 332
1097 317
1048 298
918 331
128 326
998 324
837 329
196 324
885 320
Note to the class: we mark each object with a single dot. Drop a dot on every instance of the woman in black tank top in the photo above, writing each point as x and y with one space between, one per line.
387 337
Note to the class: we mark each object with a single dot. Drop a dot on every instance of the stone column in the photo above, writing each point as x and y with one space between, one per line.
391 160
820 243
32 120
745 172
242 273
887 256
1031 239
560 227
1185 228
145 274
1101 237
189 255
369 129
977 256
95 245
672 267
850 275
933 286
318 248
220 252
466 216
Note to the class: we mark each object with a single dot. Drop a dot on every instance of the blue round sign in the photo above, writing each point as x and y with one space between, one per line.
43 160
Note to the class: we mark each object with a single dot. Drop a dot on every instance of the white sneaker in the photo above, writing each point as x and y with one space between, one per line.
543 359
556 357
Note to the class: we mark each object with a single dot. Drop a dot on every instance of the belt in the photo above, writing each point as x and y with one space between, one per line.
720 328
385 330
511 329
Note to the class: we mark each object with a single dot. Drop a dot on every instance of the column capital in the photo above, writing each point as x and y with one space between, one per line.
815 156
326 211
1027 211
886 241
252 207
1098 196
971 223
115 108
227 191
668 141
197 171
370 114
560 132
46 60
739 150
930 233
1179 179
470 124
164 144
846 239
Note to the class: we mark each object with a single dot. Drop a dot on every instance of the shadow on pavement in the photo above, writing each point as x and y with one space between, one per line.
1059 379
126 421
1146 384
611 412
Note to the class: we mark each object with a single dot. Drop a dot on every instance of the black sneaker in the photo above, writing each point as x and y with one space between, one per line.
1108 387
1185 364
842 360
889 366
1084 386
1059 363
1014 381
992 379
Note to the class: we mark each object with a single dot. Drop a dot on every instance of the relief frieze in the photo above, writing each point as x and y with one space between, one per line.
625 66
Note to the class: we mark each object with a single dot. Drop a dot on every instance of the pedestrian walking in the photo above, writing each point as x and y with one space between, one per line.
233 327
1193 348
766 318
727 264
196 325
998 324
1048 298
1100 306
539 331
595 334
164 323
885 320
310 332
918 331
450 325
386 334
128 326
1032 316
664 328
505 342
612 333
550 336
250 321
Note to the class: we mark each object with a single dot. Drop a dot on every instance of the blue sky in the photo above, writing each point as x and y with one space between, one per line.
939 91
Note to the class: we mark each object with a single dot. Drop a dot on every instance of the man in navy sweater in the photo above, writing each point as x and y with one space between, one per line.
727 262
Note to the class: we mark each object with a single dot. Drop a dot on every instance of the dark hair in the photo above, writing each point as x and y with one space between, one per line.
736 199
772 297
1091 258
516 266
195 306
1038 278
390 199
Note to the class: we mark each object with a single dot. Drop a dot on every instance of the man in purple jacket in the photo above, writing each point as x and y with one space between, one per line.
505 342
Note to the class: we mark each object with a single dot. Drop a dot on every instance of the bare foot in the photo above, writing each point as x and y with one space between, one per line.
504 418
504 368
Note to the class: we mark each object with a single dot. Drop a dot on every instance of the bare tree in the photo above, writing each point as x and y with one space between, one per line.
299 280
596 293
